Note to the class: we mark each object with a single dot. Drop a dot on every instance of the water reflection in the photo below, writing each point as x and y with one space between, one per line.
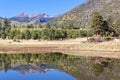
56 66
32 68
34 72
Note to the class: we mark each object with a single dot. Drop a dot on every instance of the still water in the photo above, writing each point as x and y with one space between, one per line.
57 66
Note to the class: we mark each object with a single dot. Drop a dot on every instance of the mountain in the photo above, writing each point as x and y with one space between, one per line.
33 18
81 15
1 18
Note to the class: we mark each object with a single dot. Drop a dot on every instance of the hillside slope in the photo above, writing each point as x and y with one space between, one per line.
81 15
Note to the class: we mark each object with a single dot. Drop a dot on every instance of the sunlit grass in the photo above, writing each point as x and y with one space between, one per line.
73 46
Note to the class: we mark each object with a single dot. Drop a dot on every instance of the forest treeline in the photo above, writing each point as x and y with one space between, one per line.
41 33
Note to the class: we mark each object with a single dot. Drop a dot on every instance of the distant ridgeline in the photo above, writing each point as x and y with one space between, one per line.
32 18
79 16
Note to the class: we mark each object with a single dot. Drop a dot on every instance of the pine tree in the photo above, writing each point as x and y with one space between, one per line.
97 23
27 34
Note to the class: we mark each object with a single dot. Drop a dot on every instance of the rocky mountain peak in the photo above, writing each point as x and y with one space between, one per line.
32 17
28 15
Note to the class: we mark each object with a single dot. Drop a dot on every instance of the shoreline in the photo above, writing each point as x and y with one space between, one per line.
77 47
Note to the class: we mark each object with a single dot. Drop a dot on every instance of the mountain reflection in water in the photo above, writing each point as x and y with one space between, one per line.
32 68
57 66
34 72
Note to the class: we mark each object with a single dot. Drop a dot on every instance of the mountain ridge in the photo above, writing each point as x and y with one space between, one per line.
33 18
81 15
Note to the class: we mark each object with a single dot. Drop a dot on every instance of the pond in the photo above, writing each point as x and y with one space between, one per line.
57 66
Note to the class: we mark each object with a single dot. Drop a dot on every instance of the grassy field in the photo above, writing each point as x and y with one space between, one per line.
77 47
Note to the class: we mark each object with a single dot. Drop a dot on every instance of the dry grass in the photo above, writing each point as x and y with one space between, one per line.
105 46
73 46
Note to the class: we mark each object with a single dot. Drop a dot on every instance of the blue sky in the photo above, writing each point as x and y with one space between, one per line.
9 8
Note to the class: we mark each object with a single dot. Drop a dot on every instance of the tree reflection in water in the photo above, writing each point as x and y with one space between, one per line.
82 68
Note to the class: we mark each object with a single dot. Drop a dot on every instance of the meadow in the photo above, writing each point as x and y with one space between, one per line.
78 46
